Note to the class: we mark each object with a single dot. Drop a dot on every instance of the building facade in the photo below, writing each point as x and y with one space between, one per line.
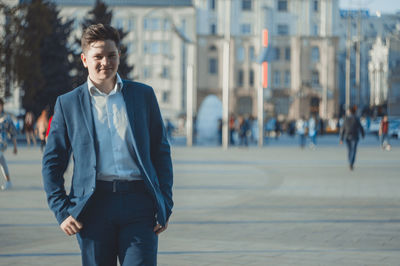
156 43
354 26
295 28
384 72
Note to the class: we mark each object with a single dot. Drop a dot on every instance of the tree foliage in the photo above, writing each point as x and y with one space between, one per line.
10 25
41 55
100 14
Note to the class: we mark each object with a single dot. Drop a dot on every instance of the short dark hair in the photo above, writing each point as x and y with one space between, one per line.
1 101
99 32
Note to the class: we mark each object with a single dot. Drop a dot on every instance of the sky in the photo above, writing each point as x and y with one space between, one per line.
385 6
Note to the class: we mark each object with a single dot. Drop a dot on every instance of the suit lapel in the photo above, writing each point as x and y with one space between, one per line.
86 109
129 100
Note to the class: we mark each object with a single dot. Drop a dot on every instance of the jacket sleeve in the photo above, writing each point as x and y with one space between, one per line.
161 153
54 164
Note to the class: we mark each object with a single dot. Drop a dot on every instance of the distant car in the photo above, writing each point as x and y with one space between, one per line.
374 126
394 128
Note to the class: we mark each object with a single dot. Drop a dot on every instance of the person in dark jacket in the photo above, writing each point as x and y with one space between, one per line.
350 131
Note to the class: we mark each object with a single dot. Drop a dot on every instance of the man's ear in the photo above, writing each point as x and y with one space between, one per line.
83 58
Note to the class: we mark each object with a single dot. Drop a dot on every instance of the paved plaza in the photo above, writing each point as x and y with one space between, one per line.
278 205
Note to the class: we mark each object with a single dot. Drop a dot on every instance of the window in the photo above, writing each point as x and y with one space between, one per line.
245 29
315 30
282 5
246 4
165 48
156 48
151 24
211 4
212 48
316 6
314 54
287 53
277 53
213 66
287 78
277 78
251 77
166 24
213 29
165 96
165 74
130 48
283 29
240 54
252 54
240 78
131 24
315 78
146 72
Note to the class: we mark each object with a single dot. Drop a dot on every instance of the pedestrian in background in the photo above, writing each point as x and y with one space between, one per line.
313 130
232 128
243 131
301 128
350 132
7 128
29 128
41 128
384 133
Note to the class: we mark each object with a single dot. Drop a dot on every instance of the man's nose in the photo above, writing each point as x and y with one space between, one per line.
105 61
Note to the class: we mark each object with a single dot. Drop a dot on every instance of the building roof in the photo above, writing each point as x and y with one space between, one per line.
145 3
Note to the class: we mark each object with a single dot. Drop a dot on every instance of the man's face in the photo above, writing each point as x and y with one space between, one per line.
101 59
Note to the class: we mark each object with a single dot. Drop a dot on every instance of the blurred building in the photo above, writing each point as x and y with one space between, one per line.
384 73
303 39
366 28
156 44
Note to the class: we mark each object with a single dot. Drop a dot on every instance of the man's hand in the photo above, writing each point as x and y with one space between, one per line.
70 226
341 142
158 229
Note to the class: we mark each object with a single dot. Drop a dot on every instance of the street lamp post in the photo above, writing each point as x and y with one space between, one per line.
225 75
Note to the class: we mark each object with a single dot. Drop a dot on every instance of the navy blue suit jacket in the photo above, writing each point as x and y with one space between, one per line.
72 131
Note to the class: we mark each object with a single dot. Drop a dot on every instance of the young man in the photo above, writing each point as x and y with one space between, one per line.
350 131
6 128
121 191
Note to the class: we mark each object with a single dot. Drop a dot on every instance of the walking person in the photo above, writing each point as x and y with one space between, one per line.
7 128
29 128
384 133
350 132
232 127
121 191
301 128
41 127
312 131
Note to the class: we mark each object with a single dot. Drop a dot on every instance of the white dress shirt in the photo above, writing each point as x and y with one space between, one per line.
114 138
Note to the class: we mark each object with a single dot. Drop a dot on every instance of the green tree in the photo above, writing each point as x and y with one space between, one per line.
42 64
99 14
11 26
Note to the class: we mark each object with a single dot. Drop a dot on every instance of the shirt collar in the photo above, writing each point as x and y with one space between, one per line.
95 91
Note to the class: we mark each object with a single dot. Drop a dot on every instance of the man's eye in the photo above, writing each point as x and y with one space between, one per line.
97 57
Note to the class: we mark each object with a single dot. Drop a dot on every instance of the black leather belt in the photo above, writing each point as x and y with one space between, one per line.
121 186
